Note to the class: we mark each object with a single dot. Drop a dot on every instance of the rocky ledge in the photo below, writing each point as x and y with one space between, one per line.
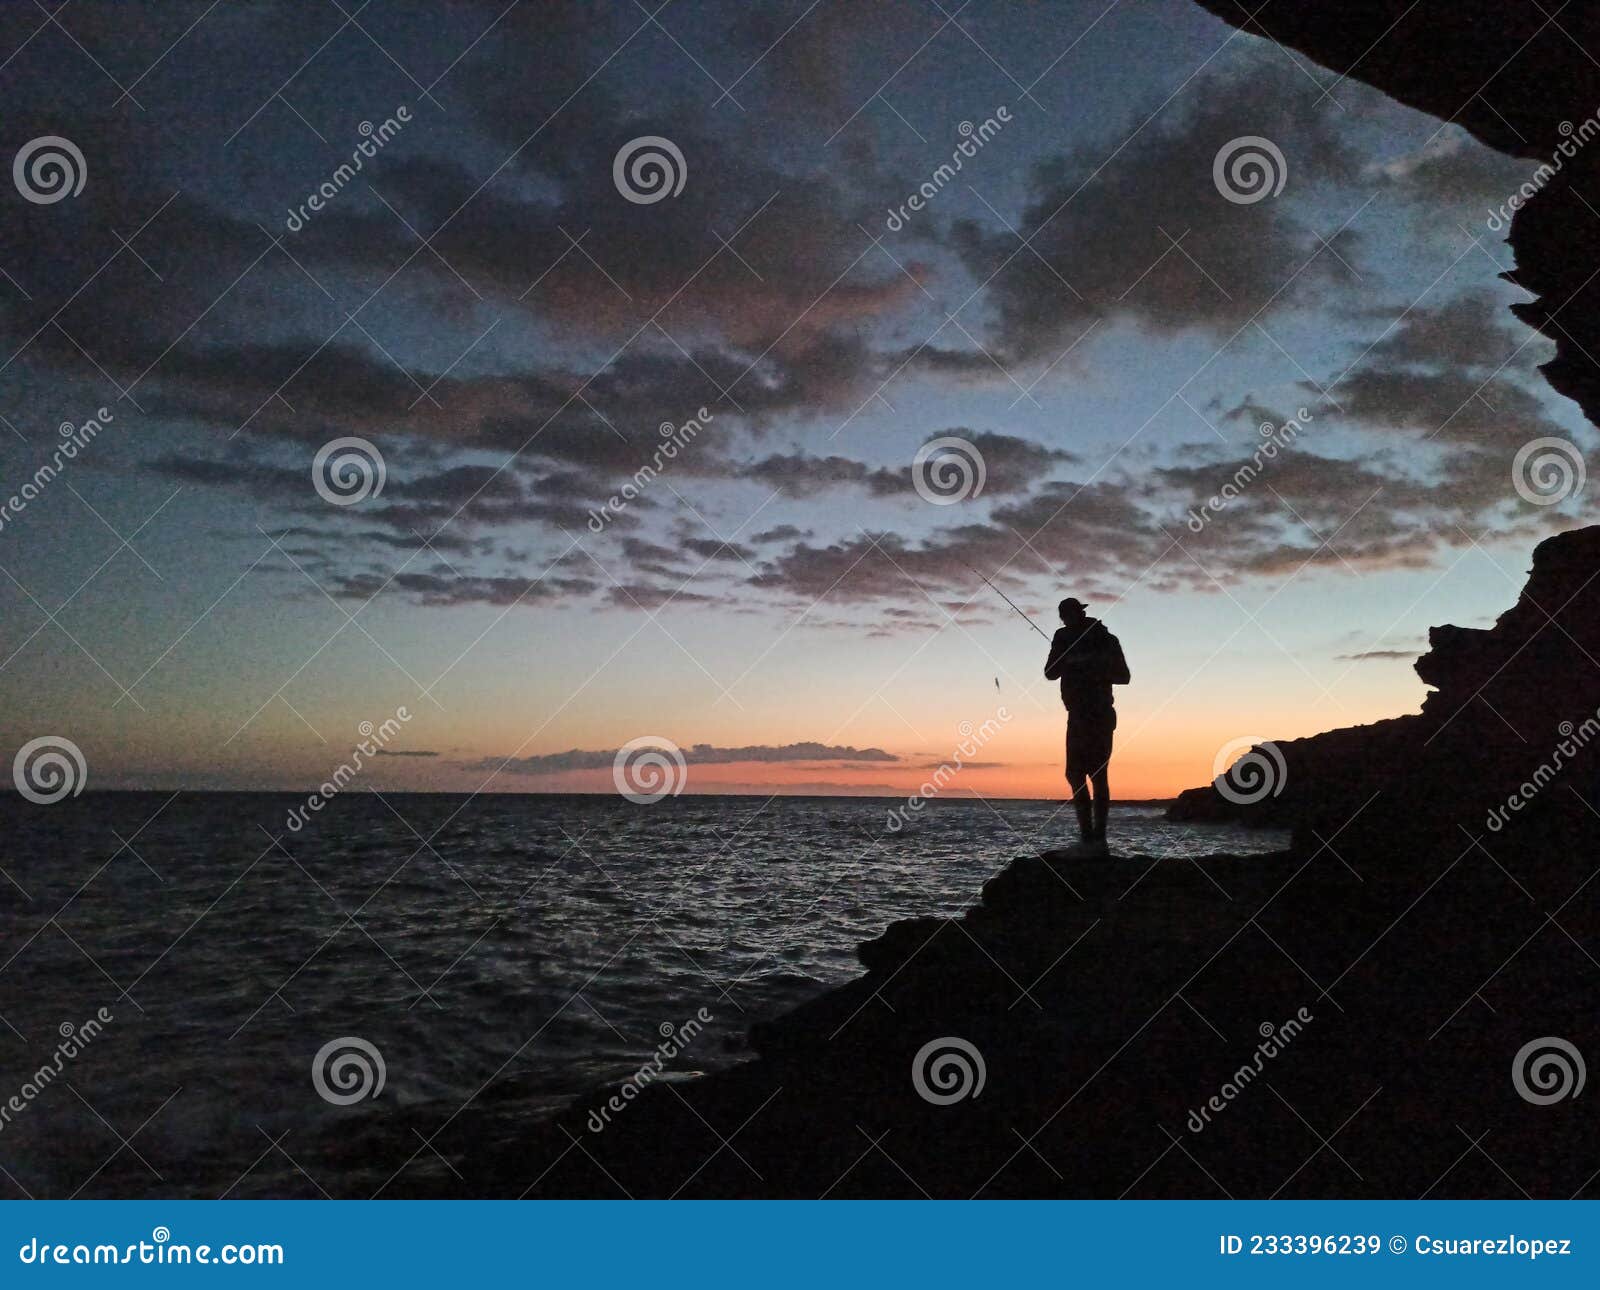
1506 701
1285 1025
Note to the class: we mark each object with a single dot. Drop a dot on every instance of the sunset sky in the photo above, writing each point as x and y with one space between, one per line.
485 306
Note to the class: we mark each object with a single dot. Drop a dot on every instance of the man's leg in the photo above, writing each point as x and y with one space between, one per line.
1078 782
1100 776
1102 802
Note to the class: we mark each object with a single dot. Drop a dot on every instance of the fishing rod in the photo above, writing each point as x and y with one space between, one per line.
1008 601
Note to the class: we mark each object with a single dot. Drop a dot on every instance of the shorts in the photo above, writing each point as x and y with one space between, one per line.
1089 744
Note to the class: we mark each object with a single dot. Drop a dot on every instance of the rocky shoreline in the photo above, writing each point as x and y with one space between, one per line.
1123 1026
1113 1005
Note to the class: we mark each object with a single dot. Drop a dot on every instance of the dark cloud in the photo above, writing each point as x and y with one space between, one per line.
759 331
1269 515
696 755
1011 465
445 589
780 533
1471 330
414 508
654 558
754 295
1149 238
710 549
1451 173
653 596
1452 371
802 475
1452 404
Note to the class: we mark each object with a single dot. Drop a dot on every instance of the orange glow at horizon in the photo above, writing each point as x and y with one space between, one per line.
1153 765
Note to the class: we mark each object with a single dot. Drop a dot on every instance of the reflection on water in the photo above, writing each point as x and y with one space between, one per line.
534 943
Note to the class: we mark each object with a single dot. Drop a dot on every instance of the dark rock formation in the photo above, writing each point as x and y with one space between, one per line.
1120 1012
1500 68
1506 701
1519 76
1205 805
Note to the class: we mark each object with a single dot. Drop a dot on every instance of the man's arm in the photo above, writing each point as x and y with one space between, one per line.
1116 663
1057 658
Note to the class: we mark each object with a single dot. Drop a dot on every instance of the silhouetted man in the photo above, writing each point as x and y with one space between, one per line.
1087 660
